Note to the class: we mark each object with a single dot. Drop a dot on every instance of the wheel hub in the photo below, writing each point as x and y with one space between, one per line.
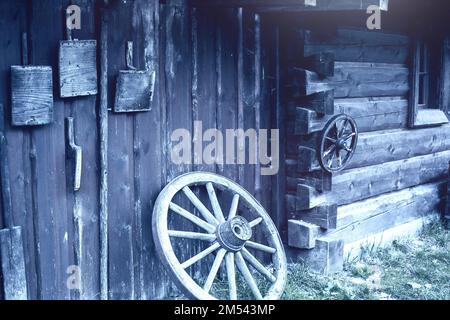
233 234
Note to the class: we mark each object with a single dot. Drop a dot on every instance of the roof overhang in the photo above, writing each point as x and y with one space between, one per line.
297 5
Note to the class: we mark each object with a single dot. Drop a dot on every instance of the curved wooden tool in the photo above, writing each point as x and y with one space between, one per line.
75 152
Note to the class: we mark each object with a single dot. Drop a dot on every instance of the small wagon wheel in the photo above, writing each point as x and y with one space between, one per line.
338 143
228 236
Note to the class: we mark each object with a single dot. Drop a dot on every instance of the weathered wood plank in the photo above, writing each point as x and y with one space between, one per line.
322 216
361 183
302 234
49 163
381 147
83 205
370 114
121 166
360 219
150 280
13 21
355 45
353 79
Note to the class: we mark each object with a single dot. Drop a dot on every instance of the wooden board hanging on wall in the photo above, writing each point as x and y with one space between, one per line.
32 95
78 68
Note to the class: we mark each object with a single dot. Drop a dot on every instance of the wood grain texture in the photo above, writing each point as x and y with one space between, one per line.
32 95
355 45
364 218
353 79
370 114
362 183
78 68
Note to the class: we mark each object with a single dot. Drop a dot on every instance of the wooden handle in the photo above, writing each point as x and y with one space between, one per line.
25 49
5 185
129 56
75 152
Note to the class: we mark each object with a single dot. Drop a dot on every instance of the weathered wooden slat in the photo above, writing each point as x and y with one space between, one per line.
83 204
370 114
361 183
121 273
150 280
353 79
360 219
356 45
321 63
381 147
14 20
323 216
48 165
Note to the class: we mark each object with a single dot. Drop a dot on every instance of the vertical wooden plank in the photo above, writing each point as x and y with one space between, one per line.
48 143
227 77
121 165
150 279
84 204
12 23
177 91
273 56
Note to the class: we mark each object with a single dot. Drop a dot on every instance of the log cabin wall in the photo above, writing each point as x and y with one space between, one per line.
211 66
395 180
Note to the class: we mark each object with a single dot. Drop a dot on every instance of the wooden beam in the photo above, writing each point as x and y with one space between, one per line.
302 234
322 216
327 257
370 114
299 5
353 45
319 179
321 63
362 183
360 219
351 80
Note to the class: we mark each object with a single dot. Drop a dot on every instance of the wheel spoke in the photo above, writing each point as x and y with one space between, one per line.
194 219
200 256
339 159
214 269
260 247
329 151
214 202
242 266
255 222
231 275
330 139
234 206
351 135
257 265
200 206
192 235
344 126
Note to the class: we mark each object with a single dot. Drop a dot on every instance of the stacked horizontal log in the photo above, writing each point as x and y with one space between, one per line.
396 175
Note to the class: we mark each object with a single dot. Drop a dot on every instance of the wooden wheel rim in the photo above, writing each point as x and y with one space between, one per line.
164 246
345 140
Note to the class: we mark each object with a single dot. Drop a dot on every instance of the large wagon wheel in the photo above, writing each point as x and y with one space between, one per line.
338 143
229 237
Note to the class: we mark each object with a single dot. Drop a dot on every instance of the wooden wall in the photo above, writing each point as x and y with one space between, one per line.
211 67
371 84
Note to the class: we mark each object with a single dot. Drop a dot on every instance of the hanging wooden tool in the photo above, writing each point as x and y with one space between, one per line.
11 243
134 90
77 67
74 152
31 92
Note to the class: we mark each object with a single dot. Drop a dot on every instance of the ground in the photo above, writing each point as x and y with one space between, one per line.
410 269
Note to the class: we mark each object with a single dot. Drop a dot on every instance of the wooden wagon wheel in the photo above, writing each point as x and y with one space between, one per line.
229 237
338 143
